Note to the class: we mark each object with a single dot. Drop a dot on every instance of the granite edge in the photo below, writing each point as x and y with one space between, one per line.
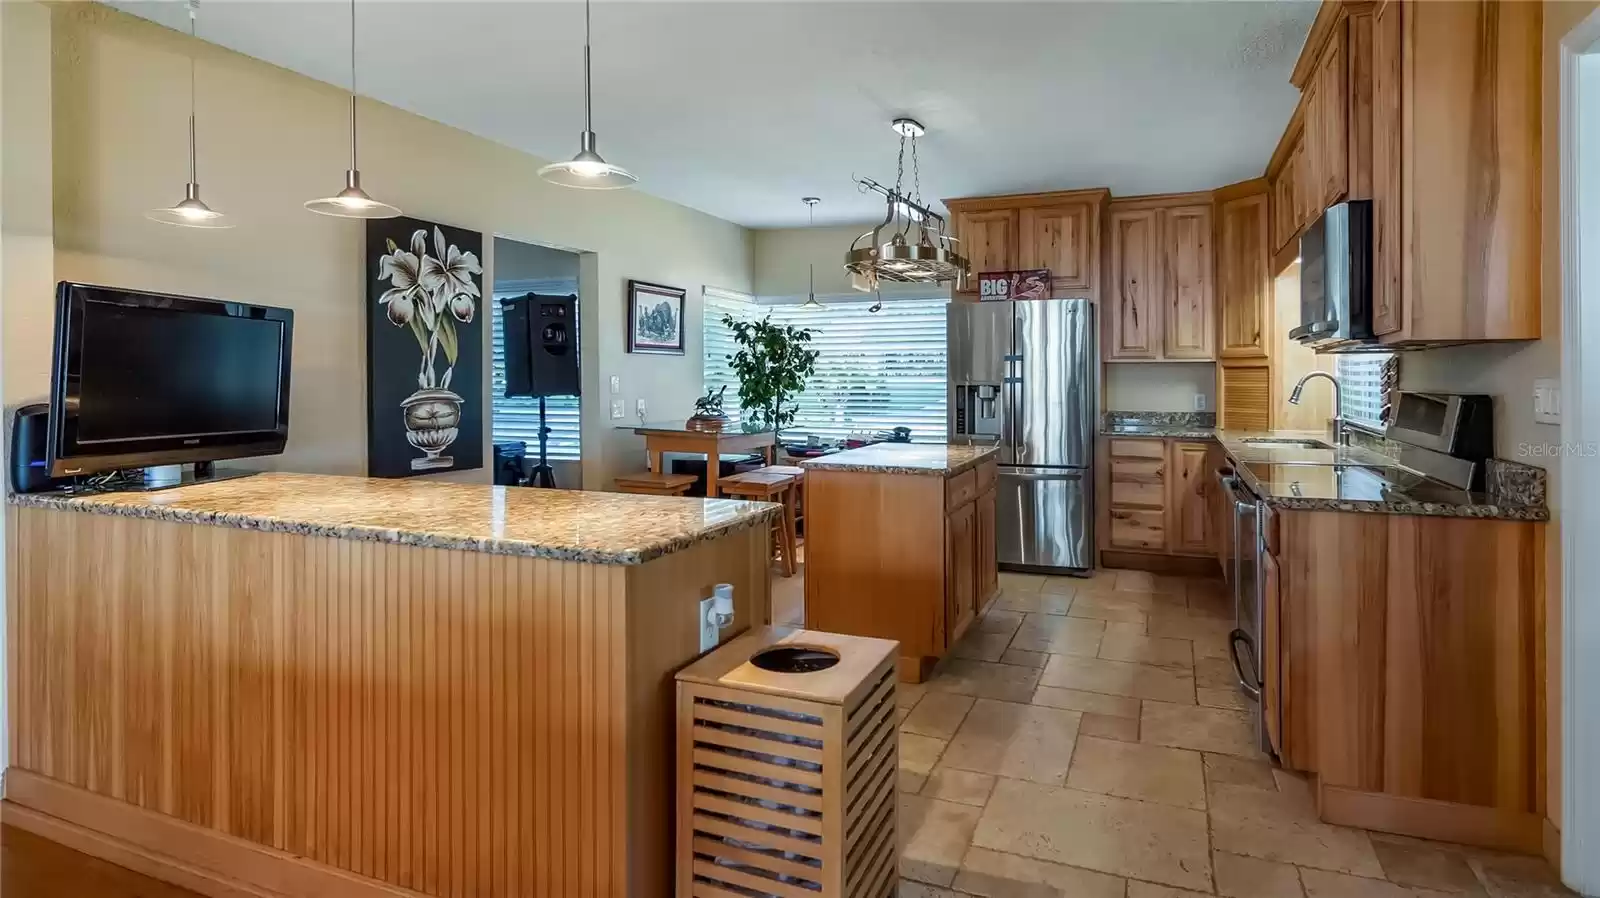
1488 511
821 463
363 533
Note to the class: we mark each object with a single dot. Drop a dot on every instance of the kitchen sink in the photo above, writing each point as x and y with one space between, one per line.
1286 443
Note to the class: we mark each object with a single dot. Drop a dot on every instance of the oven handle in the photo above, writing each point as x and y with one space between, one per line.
1236 639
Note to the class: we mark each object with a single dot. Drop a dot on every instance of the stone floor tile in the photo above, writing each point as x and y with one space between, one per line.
906 695
1205 588
901 712
1119 678
1323 884
1275 827
1088 702
1124 629
918 754
1112 835
1025 742
1021 582
985 679
1024 658
1247 877
1059 635
1215 673
1201 729
1228 770
1128 607
1123 729
1062 586
1217 607
980 646
911 783
934 836
1226 697
1212 646
959 786
1132 770
1183 625
1517 876
910 888
1033 603
1124 646
998 620
1136 581
1137 889
991 874
939 715
1426 867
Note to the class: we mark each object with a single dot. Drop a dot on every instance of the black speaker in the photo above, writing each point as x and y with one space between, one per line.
30 446
541 343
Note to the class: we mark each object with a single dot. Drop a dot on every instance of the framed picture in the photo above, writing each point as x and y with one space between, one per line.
425 380
655 319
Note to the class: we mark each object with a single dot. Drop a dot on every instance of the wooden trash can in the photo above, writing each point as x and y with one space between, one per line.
786 772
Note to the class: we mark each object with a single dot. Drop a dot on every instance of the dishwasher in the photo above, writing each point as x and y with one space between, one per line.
1245 643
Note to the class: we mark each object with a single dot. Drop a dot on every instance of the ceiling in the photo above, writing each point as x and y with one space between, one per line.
741 108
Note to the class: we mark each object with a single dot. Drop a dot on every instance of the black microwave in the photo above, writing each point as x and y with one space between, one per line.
1336 277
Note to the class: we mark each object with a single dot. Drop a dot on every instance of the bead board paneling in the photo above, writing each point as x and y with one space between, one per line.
449 722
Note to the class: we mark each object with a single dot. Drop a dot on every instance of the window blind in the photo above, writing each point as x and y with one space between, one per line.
1361 377
518 418
719 342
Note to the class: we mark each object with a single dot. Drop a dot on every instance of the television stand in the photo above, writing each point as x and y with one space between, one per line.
164 477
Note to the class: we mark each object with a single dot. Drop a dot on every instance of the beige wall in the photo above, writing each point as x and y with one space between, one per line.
270 139
782 254
1159 386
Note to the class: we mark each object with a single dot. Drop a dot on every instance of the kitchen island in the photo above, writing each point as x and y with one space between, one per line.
900 544
304 685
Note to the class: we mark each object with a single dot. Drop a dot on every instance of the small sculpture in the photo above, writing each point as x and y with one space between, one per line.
708 414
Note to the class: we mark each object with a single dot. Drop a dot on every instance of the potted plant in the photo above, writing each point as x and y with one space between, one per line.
773 365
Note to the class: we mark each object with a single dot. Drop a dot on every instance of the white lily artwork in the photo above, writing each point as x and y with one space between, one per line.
430 287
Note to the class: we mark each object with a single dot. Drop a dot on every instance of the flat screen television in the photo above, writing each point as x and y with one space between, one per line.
144 379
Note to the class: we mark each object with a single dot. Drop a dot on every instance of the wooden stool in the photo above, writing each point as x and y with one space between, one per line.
654 483
767 487
799 495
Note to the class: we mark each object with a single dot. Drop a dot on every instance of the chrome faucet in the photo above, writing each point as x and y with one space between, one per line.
1340 438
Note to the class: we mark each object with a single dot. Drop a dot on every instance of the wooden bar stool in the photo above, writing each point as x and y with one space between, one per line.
655 483
764 486
799 475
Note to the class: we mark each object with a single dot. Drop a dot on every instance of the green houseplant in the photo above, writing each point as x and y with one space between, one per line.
772 365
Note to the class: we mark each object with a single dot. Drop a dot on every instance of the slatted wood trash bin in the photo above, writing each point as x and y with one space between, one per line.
787 756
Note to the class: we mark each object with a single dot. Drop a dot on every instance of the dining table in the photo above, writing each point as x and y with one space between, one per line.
677 437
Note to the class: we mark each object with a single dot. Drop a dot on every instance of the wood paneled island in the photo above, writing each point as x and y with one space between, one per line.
301 685
900 544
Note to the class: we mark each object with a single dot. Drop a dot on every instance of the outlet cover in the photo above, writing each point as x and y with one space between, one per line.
1547 401
616 386
639 407
617 409
1199 402
708 625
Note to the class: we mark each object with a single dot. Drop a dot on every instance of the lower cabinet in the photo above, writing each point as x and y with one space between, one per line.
1157 493
1272 657
1188 486
961 573
987 575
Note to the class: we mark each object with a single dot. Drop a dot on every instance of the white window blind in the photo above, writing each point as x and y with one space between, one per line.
719 342
1361 376
518 418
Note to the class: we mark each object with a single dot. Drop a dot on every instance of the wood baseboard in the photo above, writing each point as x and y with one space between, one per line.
1178 565
1552 843
202 860
1444 821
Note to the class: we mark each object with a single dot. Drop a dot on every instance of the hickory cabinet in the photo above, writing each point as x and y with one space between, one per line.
1059 231
1244 262
1157 493
1161 302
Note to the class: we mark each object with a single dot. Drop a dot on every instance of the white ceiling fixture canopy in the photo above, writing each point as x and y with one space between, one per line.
191 211
352 201
588 170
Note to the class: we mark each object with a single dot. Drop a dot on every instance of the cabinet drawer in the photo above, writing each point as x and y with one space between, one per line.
1138 448
988 472
1138 495
1138 470
960 489
1132 529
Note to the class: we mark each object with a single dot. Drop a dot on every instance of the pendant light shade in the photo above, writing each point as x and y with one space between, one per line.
191 212
352 201
811 303
588 170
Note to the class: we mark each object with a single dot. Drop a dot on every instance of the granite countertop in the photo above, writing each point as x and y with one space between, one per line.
936 459
1161 425
566 525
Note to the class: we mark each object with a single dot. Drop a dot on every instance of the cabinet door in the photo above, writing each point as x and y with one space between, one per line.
1188 480
1300 178
1328 127
1387 215
1244 284
986 574
1133 322
1060 238
1189 307
960 564
1219 507
989 241
1272 654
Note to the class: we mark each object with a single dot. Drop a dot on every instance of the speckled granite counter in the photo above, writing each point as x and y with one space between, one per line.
567 525
1164 425
935 459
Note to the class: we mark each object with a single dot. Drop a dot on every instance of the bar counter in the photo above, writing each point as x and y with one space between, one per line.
306 685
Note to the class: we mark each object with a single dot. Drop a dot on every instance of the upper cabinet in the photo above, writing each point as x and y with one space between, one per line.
1326 141
1288 183
1059 231
1161 302
1244 280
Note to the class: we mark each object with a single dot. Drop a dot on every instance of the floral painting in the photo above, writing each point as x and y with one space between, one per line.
424 348
655 318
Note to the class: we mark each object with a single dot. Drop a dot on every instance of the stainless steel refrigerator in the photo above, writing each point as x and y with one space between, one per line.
1022 377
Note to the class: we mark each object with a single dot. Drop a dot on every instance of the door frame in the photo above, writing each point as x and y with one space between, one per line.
1579 75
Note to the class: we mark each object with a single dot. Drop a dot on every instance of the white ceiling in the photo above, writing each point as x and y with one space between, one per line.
741 108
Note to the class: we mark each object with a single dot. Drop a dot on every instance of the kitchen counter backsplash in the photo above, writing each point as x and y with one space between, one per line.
1177 420
1517 482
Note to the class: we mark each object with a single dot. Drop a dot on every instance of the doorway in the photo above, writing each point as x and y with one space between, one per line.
521 268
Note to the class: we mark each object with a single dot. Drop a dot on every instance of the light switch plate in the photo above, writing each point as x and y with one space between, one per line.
1547 401
639 407
708 625
616 386
617 409
1199 402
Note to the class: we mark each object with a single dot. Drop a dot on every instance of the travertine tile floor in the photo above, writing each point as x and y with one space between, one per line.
1085 740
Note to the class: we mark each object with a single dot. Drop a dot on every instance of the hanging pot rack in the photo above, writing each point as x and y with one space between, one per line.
919 247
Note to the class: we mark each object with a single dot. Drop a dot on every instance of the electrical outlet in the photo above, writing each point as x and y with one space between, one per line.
617 409
639 407
616 386
708 624
1547 401
1199 402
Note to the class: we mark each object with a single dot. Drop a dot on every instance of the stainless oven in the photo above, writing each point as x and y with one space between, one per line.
1245 644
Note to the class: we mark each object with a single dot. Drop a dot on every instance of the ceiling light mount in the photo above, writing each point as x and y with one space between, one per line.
908 127
588 170
352 201
929 255
191 212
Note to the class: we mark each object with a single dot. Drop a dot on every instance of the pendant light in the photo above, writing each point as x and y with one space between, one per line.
811 299
352 201
192 212
587 169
